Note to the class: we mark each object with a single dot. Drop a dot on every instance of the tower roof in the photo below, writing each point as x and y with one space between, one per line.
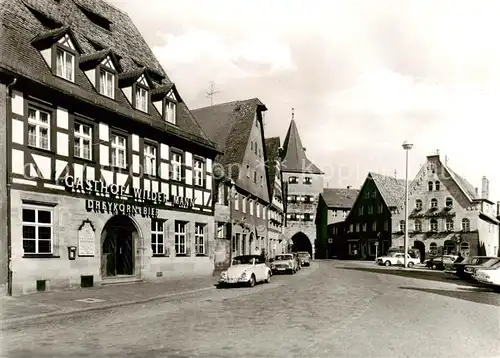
294 156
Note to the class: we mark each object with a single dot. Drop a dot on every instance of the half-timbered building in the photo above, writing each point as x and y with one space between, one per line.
109 176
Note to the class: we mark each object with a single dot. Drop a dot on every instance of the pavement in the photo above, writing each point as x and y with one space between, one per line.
331 309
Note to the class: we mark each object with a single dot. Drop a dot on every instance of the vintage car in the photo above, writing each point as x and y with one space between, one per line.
304 257
489 276
397 259
470 270
247 270
458 269
439 262
284 263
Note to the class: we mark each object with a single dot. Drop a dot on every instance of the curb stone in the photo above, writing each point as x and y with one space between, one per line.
7 322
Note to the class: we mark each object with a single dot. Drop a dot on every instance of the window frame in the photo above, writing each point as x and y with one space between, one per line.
417 225
465 227
293 180
112 146
434 203
200 170
38 124
58 47
38 225
108 71
450 225
449 202
402 225
80 137
430 186
307 180
433 225
197 237
154 167
176 164
155 234
419 204
166 102
178 224
137 87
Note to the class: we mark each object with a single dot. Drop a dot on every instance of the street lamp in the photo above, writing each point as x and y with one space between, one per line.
406 146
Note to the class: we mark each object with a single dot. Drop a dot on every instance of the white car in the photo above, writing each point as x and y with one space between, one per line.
489 276
246 269
397 259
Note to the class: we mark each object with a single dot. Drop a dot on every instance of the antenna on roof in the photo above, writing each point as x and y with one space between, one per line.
293 113
211 92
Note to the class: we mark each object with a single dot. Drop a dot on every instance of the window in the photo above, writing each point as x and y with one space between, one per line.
361 210
437 185
380 208
149 159
37 230
170 110
236 202
157 235
367 195
307 180
434 203
261 180
402 226
351 228
199 239
307 198
38 128
118 151
257 209
374 194
220 194
386 225
180 238
418 204
221 231
251 212
374 226
141 98
434 225
248 171
433 248
465 224
244 205
465 249
364 227
449 224
65 65
236 246
293 180
255 176
370 210
430 185
357 228
418 225
198 172
449 202
107 83
83 141
176 165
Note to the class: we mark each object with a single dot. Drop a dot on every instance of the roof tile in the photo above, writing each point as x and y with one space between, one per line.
390 188
339 197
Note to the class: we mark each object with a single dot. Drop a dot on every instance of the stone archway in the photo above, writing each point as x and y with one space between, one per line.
420 246
300 242
119 238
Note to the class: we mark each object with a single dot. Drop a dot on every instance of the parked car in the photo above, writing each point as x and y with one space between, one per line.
485 262
439 262
246 269
457 268
284 263
414 253
305 258
489 276
397 259
296 257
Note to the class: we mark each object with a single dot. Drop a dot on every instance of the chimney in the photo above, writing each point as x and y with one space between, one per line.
477 191
485 188
348 187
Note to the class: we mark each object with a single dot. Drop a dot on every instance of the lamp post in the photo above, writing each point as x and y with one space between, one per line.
406 146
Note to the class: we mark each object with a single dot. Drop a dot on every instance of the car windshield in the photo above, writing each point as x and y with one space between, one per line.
284 257
490 262
243 260
303 254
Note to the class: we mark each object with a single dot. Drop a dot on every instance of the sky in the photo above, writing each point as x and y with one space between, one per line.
363 76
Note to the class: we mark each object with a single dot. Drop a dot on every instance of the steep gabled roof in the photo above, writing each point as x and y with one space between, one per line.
272 150
229 125
390 188
294 155
24 21
339 197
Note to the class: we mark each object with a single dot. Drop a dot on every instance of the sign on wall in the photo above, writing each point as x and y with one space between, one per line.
86 239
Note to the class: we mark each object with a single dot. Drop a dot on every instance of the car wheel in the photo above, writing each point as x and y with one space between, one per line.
251 283
268 279
434 267
410 264
387 263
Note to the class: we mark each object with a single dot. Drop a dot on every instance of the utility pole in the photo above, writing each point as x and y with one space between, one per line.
211 92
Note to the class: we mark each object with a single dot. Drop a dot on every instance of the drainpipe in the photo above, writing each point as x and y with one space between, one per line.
7 177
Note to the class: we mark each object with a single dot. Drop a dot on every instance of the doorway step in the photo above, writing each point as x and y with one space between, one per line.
120 280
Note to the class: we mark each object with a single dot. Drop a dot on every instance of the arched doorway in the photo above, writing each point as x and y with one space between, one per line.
420 246
300 242
118 242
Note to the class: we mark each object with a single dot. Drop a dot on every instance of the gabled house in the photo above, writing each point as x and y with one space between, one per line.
108 174
333 207
369 221
304 184
237 129
276 219
447 214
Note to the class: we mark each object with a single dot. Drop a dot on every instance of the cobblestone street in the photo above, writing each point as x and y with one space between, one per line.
332 309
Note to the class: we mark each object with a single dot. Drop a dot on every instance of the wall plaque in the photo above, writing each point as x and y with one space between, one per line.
86 239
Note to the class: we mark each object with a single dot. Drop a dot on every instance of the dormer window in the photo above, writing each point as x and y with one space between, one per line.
107 83
171 111
65 65
141 98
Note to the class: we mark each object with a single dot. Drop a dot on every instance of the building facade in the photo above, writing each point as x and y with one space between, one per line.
447 214
108 175
368 224
276 220
304 183
333 207
237 129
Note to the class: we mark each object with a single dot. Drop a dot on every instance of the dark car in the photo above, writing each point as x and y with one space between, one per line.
305 258
440 262
484 262
458 268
